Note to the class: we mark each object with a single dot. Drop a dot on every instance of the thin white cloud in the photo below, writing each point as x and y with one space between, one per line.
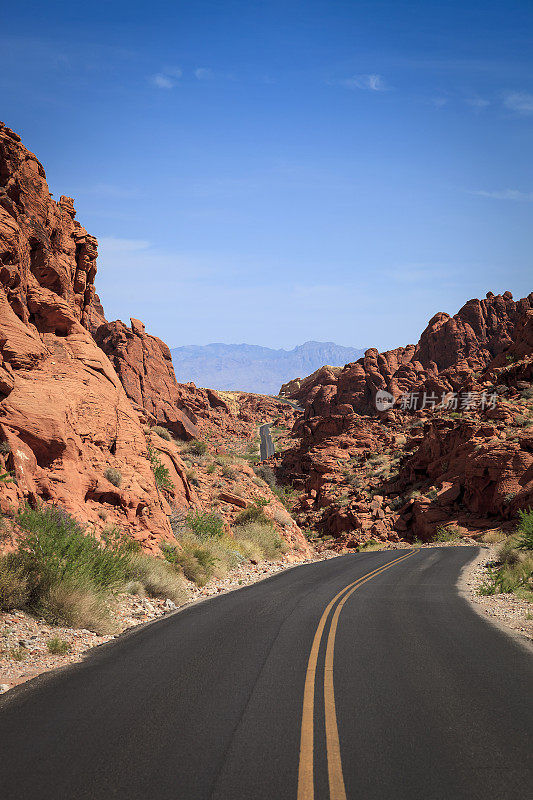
371 82
505 194
477 103
438 102
163 81
167 78
203 73
112 244
521 102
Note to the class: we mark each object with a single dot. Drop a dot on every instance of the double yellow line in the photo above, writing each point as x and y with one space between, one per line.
306 788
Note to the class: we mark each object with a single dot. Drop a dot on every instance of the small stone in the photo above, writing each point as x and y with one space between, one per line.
4 687
169 605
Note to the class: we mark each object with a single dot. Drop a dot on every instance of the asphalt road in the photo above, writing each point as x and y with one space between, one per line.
266 445
399 690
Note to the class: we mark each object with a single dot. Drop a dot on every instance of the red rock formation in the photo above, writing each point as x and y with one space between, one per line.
473 470
449 351
73 422
144 366
64 416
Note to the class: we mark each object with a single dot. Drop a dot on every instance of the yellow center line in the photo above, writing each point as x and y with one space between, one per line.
335 776
306 789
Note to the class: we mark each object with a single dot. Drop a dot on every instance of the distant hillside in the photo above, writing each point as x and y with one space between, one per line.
254 368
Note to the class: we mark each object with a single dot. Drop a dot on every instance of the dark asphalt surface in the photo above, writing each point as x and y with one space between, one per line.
432 701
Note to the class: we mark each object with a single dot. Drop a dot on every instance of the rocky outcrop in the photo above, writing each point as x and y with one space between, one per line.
79 397
450 351
69 433
144 366
430 467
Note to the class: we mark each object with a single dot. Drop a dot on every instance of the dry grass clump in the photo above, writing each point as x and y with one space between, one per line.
162 432
114 476
264 537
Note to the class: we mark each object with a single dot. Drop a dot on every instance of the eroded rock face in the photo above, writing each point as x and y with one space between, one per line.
79 396
144 366
449 352
432 467
64 416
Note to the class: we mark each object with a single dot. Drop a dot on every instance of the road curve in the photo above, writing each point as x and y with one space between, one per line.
397 690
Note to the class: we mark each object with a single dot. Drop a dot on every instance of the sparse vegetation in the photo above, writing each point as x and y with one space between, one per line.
448 533
161 473
205 524
61 572
57 646
513 572
114 476
197 447
162 432
253 513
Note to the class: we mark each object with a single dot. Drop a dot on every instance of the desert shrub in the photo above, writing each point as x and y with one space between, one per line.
266 474
14 584
253 513
57 646
195 562
523 420
493 537
527 394
17 653
197 447
263 536
205 524
525 530
5 448
162 432
157 578
114 476
447 533
211 468
102 514
229 473
161 473
282 517
72 577
192 477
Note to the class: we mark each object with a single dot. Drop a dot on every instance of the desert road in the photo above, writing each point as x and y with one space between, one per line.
365 676
266 442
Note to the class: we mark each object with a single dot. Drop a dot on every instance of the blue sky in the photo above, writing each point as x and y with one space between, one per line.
272 172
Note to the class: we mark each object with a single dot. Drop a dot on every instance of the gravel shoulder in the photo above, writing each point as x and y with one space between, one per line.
506 611
24 652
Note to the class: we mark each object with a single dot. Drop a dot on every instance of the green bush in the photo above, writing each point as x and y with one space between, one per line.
525 530
161 473
63 573
197 447
162 432
114 476
447 533
205 524
253 513
57 646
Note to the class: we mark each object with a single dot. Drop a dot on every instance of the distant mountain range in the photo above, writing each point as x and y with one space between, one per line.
253 368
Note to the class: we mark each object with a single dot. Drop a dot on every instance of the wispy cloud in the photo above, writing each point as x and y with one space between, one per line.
167 78
203 73
505 194
477 103
372 82
521 102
